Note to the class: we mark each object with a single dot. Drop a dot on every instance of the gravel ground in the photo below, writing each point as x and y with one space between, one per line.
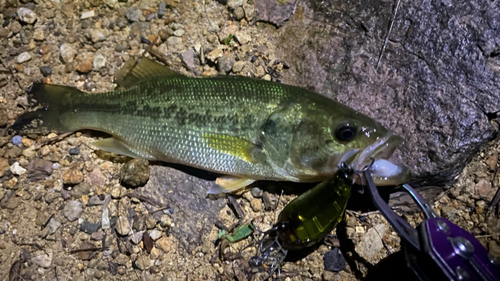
64 210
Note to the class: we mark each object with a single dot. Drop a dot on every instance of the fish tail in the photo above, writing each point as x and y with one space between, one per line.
49 100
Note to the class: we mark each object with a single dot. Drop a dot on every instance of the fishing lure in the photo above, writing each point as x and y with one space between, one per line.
305 221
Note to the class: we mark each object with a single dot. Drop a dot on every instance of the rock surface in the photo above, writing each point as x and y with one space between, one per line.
436 85
186 194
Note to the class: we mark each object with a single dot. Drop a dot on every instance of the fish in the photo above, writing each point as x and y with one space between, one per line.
242 128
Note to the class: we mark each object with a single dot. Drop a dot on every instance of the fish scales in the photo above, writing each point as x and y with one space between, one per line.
167 118
247 129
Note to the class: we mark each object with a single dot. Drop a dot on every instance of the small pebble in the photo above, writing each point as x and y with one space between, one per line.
138 224
256 205
87 14
334 260
179 32
67 53
99 35
13 203
99 62
4 166
133 14
162 8
155 269
54 224
123 226
233 4
239 13
11 183
136 238
13 152
143 262
135 173
118 191
165 221
151 17
74 151
147 241
106 224
16 140
225 64
121 22
492 160
256 192
212 38
96 201
150 222
122 270
121 46
46 71
188 59
163 244
51 196
26 15
65 194
72 176
42 259
86 255
122 259
81 189
98 274
238 66
89 227
97 236
155 234
23 57
72 210
84 67
38 34
242 37
42 218
16 169
15 27
174 41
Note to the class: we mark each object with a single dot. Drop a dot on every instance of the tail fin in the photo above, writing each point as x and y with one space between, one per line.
49 100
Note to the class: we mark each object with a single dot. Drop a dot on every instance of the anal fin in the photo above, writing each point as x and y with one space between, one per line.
229 184
115 146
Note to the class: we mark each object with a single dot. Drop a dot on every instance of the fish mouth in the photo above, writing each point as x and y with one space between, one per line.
384 172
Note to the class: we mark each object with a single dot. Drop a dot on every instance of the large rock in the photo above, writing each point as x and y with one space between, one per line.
437 83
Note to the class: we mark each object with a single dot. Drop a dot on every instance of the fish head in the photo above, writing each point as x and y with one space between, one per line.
325 138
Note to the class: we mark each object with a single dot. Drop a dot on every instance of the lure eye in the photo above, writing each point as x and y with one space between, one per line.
345 132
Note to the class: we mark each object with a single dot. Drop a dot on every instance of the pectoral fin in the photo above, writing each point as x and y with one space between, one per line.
234 146
115 146
229 184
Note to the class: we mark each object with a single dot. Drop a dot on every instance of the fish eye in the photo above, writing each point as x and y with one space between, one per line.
345 132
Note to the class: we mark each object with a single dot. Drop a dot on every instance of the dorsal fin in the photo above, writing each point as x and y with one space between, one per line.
137 70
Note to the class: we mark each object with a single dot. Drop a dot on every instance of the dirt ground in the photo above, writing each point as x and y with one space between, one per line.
64 213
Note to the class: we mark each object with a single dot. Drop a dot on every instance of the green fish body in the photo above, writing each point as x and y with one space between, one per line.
247 129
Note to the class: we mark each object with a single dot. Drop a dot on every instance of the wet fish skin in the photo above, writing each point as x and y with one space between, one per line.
238 126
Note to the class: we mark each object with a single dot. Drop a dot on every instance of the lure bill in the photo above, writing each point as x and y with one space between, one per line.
242 128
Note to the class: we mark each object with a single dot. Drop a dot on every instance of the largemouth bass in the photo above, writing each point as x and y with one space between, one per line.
244 128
